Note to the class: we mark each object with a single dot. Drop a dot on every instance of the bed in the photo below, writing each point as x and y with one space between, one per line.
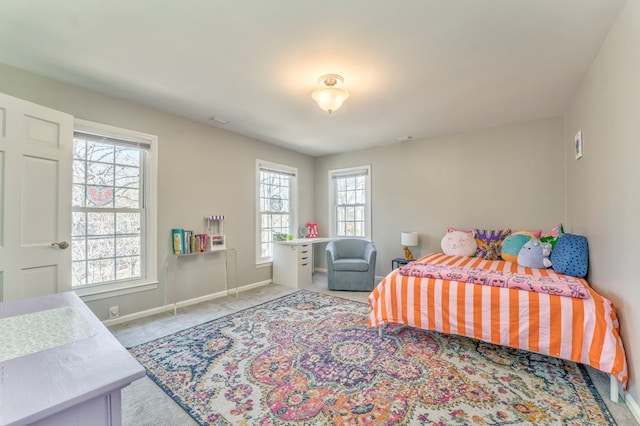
505 304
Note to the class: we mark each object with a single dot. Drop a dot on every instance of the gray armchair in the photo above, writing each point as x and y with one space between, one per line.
351 264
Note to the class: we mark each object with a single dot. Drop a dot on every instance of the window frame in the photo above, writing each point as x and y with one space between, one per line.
293 203
149 255
350 171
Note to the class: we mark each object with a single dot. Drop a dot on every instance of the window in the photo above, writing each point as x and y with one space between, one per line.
113 209
350 193
276 206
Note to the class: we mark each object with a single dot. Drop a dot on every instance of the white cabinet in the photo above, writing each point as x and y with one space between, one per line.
293 264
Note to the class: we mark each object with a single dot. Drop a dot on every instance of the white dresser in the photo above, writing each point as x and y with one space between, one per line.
60 365
293 261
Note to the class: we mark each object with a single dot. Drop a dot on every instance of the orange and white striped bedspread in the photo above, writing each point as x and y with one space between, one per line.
580 330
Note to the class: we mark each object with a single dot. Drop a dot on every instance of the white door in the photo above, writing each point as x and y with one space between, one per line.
35 199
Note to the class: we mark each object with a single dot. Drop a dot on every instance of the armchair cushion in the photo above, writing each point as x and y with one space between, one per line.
350 264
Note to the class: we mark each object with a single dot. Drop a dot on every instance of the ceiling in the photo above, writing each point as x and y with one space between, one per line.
414 68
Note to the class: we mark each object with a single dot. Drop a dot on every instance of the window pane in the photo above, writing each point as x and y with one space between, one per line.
127 267
127 198
78 171
100 223
78 195
128 177
99 196
100 174
127 246
341 197
101 270
78 248
79 149
127 223
78 273
100 248
79 220
100 152
127 156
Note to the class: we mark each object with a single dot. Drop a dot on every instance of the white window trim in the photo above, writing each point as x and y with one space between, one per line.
260 262
151 206
332 200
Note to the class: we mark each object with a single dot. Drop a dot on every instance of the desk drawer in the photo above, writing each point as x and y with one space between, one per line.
305 252
305 271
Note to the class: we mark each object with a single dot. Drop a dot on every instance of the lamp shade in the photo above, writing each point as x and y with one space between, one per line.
330 95
409 239
330 99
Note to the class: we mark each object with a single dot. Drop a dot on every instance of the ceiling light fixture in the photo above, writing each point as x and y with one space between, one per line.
330 95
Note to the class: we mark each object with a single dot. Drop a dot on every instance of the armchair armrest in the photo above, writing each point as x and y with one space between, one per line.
331 254
370 253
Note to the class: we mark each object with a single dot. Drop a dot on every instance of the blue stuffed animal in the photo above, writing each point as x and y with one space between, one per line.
535 254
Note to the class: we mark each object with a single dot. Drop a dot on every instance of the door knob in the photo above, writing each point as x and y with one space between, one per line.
61 245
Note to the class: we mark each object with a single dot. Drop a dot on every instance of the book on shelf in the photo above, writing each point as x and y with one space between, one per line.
177 239
188 242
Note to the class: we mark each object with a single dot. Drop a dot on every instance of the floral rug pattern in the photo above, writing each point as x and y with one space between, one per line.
309 359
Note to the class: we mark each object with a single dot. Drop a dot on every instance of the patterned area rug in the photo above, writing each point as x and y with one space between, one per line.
310 359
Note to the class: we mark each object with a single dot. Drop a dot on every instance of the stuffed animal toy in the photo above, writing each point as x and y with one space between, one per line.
494 251
513 244
535 254
553 235
459 243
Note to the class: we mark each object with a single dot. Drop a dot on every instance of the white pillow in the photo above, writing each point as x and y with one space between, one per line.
459 243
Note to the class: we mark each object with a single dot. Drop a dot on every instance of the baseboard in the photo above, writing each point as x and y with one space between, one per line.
232 292
633 406
320 270
138 315
182 304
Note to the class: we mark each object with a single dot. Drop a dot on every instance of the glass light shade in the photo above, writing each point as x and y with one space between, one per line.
330 98
409 239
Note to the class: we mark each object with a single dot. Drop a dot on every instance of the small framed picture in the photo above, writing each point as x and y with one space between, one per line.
578 143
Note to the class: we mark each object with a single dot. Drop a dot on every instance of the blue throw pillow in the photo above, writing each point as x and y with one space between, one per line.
570 256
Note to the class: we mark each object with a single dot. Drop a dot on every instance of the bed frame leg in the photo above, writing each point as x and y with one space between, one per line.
613 388
380 330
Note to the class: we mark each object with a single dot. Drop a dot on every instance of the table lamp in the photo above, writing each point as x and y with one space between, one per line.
409 239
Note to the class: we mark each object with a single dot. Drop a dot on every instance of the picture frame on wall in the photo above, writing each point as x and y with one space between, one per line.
578 144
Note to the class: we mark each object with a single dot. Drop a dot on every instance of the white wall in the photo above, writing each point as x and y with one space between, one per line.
510 176
202 171
603 190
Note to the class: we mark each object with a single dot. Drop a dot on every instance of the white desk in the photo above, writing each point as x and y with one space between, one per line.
293 261
74 379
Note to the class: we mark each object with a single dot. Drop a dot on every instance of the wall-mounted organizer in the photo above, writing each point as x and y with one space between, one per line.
215 231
